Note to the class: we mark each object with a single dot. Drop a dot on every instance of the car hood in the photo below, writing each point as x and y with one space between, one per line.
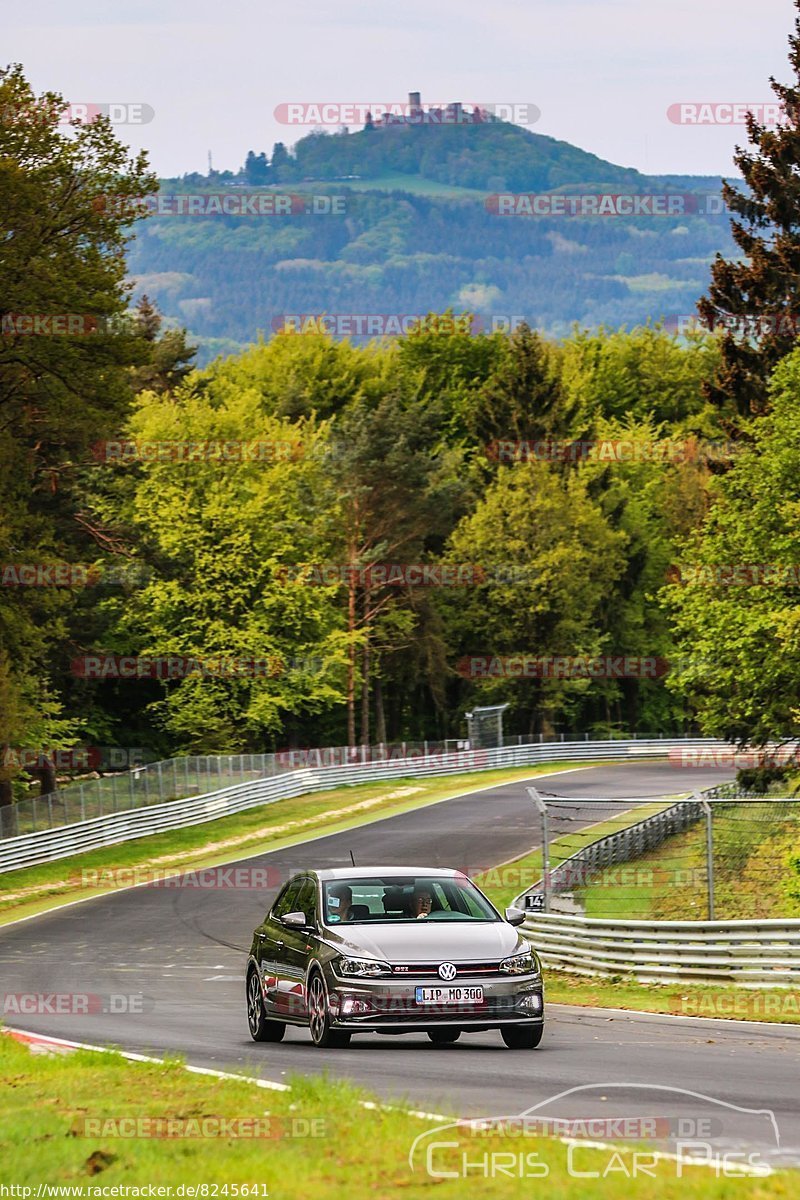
429 941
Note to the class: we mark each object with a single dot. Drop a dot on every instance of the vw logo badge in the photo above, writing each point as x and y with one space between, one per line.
447 971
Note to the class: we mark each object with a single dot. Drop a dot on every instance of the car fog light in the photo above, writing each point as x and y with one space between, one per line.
353 1005
532 1001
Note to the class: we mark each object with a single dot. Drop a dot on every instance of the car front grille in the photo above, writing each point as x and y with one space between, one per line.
431 970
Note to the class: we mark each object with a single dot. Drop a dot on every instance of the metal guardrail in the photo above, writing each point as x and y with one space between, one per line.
46 845
763 953
197 775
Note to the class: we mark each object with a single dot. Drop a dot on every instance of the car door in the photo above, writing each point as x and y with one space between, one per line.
270 938
296 951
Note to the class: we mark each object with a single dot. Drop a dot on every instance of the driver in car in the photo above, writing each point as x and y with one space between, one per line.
422 901
344 895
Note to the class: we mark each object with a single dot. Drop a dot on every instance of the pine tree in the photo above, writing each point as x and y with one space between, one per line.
281 163
523 399
169 357
757 301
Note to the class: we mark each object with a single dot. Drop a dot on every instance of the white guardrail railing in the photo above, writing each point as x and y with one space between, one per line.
45 845
755 953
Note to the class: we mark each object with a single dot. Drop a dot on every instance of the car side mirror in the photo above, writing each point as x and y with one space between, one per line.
515 916
294 920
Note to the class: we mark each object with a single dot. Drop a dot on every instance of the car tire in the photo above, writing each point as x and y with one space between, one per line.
261 1029
319 1018
522 1037
444 1037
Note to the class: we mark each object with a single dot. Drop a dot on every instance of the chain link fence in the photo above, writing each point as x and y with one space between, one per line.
716 856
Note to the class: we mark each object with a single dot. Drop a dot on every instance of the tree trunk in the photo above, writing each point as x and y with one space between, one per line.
365 667
351 661
45 774
380 715
365 695
6 793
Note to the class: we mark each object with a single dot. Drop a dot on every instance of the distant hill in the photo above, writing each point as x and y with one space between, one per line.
494 157
417 231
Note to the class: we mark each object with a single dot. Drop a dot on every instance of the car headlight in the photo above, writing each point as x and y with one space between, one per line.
521 964
361 966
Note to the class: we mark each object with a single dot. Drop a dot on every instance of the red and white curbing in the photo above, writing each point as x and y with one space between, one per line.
38 1043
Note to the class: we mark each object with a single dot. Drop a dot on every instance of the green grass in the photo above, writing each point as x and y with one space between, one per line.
655 282
268 827
58 1115
681 999
394 182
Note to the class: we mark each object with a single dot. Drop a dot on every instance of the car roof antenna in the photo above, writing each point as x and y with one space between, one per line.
352 860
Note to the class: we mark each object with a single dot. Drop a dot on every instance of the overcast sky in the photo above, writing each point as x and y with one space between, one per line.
602 72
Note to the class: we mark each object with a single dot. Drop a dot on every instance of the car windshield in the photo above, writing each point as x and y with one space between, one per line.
408 898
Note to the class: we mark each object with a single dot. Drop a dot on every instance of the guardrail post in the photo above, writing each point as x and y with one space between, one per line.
542 810
706 807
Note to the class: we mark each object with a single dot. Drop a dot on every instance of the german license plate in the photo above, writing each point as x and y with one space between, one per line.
449 995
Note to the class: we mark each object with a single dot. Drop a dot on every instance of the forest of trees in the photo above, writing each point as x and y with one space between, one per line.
352 542
230 278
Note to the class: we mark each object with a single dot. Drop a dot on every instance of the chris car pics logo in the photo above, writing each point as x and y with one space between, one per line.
602 1131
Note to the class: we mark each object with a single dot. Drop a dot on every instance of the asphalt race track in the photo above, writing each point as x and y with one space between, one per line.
183 951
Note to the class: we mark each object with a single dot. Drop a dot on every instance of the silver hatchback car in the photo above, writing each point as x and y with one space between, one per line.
392 950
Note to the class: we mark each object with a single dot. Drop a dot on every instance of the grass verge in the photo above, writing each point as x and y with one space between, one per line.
726 1001
61 1117
268 827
